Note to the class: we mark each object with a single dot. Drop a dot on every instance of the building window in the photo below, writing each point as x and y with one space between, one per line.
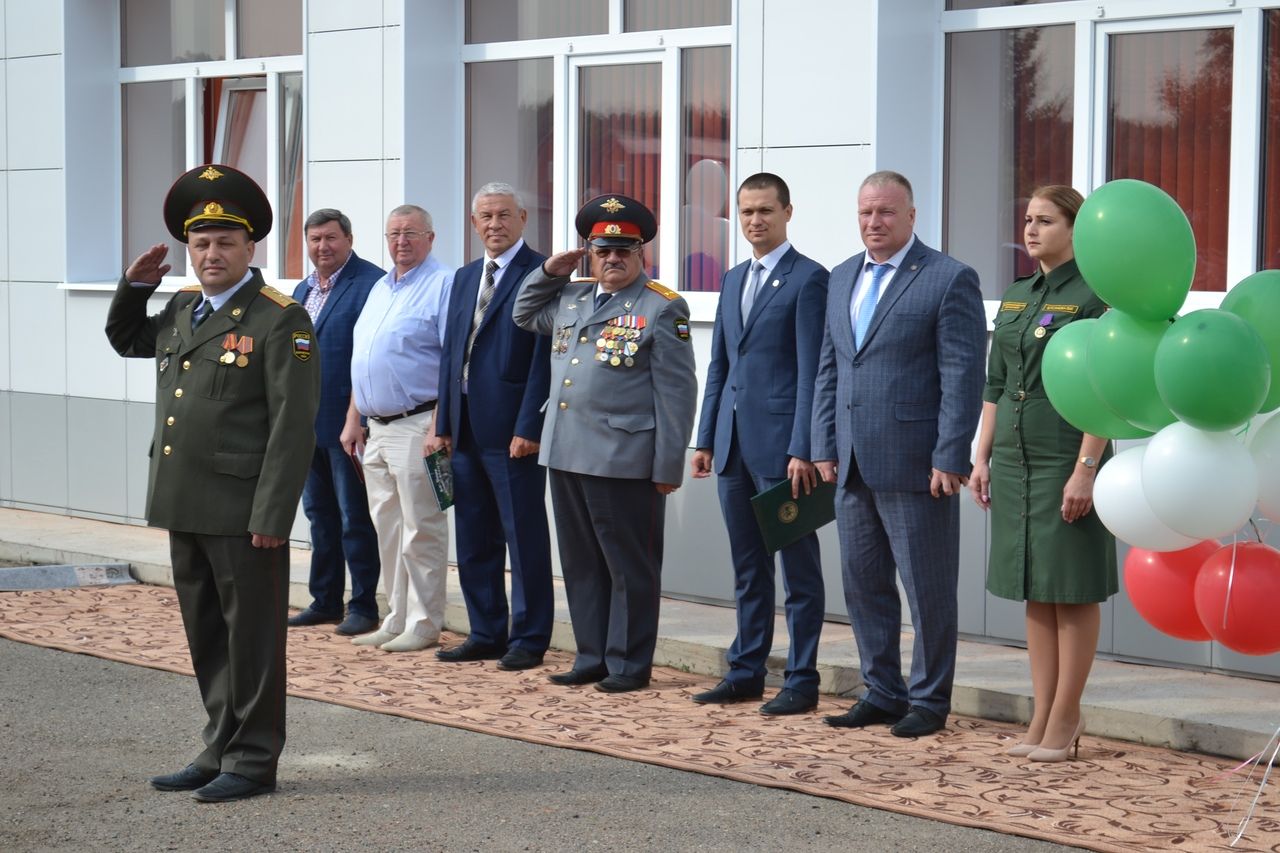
704 206
519 20
643 15
510 139
1008 130
240 105
1169 123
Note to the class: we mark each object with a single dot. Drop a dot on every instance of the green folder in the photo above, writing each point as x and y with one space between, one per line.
784 519
440 471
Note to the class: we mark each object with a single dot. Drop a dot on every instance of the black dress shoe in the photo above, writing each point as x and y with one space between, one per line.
229 786
726 693
919 722
355 624
471 650
518 658
187 779
788 701
311 617
621 684
862 714
574 677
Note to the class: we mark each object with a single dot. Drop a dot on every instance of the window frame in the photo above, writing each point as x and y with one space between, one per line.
616 47
1094 24
269 254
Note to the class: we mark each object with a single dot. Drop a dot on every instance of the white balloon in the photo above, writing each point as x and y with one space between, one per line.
1201 484
1121 504
1265 447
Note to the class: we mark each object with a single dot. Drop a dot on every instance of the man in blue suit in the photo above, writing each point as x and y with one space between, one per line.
896 404
493 385
334 498
755 431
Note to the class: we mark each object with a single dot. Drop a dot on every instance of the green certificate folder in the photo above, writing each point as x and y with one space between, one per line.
784 519
440 470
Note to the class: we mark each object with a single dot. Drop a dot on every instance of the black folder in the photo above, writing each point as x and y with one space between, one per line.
784 519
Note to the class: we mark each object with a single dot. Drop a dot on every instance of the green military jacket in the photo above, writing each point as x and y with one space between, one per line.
235 407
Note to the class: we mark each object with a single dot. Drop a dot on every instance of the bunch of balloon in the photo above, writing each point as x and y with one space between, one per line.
1190 383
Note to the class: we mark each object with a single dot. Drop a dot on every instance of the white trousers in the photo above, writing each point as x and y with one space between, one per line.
413 534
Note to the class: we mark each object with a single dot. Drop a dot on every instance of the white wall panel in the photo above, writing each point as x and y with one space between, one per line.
818 81
824 191
139 427
6 448
341 15
5 321
37 242
37 338
39 428
4 49
4 223
344 89
139 379
34 91
33 28
393 142
4 111
355 188
749 57
392 12
95 466
93 368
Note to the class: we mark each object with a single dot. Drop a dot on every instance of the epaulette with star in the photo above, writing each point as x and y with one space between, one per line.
662 290
277 297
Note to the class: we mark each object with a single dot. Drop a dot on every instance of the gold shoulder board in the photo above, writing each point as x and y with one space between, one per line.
661 289
190 288
276 296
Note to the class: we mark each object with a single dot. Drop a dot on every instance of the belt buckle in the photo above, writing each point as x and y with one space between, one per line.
1022 395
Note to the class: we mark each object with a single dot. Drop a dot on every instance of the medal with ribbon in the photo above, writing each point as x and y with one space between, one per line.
233 345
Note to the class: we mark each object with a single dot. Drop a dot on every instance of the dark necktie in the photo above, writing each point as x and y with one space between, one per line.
601 298
202 314
482 305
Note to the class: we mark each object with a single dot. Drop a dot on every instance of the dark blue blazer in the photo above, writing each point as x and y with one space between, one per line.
333 335
762 372
510 367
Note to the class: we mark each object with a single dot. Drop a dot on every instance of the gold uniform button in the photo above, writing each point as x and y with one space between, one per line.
169 421
186 365
177 393
564 405
573 361
235 312
582 340
167 450
568 382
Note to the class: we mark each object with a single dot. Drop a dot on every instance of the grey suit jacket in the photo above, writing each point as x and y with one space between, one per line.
605 419
910 399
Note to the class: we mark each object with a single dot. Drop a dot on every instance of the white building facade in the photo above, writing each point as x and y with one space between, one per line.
366 104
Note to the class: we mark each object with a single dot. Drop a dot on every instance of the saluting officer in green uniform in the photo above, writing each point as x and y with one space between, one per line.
237 385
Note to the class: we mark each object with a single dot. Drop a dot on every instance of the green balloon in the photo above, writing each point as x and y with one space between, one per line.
1212 370
1066 380
1256 299
1134 246
1122 367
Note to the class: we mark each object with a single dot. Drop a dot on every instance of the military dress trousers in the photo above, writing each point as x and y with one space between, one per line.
1035 555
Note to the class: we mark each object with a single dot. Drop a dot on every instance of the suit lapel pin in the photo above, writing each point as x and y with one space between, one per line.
628 305
915 267
776 283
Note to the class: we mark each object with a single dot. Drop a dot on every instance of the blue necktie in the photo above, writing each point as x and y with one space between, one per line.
867 309
752 291
601 298
202 314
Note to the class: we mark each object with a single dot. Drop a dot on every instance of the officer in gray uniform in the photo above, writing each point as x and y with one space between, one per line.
618 422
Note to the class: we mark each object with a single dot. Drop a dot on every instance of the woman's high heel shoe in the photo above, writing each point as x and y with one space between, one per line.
1044 754
1022 750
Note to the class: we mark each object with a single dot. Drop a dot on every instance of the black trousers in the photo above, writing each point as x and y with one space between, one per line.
234 603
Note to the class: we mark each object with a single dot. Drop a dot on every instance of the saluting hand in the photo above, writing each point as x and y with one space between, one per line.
149 267
564 263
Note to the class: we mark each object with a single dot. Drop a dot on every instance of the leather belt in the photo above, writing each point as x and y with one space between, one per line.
417 410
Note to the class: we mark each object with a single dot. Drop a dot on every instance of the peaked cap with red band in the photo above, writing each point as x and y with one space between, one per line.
216 196
615 221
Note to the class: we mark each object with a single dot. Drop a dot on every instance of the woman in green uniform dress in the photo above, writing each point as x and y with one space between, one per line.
1035 473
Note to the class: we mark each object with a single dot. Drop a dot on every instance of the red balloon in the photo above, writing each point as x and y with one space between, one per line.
1161 585
1245 621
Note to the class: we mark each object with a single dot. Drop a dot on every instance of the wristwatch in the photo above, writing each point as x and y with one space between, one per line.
1088 462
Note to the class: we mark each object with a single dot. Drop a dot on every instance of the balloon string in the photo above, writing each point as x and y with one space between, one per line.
1231 577
1248 816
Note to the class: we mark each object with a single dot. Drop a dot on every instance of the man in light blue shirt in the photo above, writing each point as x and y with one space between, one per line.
395 367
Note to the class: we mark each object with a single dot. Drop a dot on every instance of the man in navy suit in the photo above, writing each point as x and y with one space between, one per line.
755 431
896 403
334 498
493 386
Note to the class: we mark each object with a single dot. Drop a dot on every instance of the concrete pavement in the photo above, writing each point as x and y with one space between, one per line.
1185 710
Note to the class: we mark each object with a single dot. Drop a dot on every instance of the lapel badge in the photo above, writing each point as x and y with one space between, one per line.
776 283
235 312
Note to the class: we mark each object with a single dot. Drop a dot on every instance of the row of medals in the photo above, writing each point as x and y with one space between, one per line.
618 345
229 357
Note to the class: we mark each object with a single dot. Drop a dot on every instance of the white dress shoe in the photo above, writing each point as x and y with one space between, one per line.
377 638
407 642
